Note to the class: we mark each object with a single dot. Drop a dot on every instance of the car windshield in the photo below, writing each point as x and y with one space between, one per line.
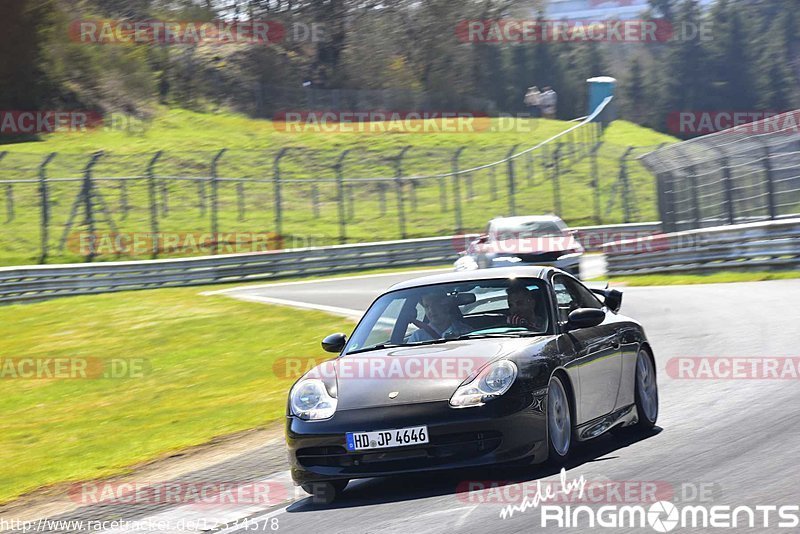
510 230
447 312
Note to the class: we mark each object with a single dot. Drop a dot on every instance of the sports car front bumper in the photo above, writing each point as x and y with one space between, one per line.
504 429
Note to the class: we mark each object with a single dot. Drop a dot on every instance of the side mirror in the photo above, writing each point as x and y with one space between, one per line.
334 343
613 300
585 318
482 239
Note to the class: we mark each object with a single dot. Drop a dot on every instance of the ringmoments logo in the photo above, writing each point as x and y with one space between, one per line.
664 516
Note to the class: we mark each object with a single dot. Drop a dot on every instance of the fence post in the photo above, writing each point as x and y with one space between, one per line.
726 172
691 173
276 191
9 195
164 198
215 202
240 206
457 189
340 196
382 197
623 178
152 193
512 207
123 197
529 167
9 202
556 183
493 181
45 205
401 214
351 202
315 200
595 183
87 195
770 182
201 194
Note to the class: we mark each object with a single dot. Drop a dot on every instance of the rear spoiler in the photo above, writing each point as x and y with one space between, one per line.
612 298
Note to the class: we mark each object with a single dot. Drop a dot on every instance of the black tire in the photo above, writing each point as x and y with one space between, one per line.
558 409
646 412
324 492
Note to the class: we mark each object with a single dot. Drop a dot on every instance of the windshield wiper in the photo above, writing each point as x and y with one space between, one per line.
377 347
499 334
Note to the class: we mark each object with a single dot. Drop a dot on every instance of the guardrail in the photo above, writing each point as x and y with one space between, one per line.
752 246
37 282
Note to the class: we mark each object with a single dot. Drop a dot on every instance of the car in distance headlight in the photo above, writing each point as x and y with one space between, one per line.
469 369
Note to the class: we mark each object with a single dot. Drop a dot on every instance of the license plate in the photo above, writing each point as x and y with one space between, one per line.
381 439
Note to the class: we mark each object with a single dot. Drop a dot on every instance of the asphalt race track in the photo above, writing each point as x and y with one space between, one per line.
719 442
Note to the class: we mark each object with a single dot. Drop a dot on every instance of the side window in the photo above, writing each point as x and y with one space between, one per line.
382 330
571 295
585 298
564 298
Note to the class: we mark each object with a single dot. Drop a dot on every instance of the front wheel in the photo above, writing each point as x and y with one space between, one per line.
646 391
559 422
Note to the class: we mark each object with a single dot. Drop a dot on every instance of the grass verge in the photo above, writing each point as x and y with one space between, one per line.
688 279
310 214
208 372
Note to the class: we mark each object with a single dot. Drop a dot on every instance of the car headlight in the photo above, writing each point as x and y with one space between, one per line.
510 259
492 382
570 255
310 400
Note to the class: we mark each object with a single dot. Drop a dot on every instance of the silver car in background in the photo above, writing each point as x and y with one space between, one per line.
523 240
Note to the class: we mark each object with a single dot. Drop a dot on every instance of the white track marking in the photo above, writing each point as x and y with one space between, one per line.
196 518
318 280
347 312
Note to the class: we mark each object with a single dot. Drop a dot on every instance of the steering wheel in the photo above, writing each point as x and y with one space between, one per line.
428 328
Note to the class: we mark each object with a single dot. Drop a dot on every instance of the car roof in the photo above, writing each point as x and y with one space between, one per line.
519 219
527 271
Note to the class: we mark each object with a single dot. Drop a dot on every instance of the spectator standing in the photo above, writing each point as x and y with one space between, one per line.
533 100
548 101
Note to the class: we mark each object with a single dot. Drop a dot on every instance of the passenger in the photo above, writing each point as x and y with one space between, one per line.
522 309
444 321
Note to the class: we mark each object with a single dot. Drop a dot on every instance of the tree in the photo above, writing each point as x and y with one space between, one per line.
634 92
732 86
687 86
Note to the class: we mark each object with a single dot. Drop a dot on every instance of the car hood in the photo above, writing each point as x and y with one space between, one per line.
419 374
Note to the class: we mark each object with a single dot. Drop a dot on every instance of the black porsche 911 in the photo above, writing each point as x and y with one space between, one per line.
467 369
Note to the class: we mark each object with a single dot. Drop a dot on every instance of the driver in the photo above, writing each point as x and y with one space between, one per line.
522 308
444 321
